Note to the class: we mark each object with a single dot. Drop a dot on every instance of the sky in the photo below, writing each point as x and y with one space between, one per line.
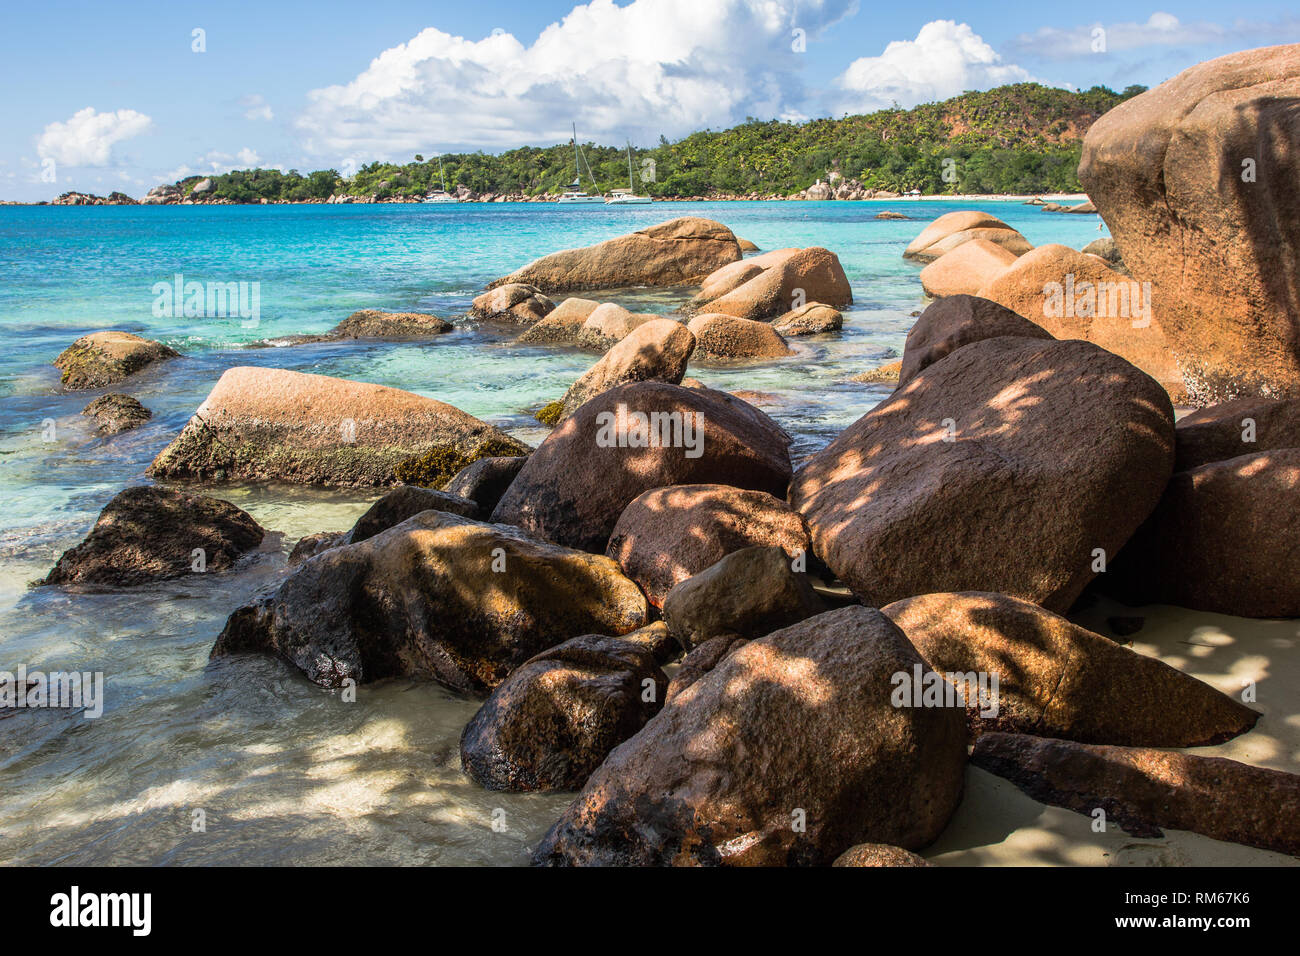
102 96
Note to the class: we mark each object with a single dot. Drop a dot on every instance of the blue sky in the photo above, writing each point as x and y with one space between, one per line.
103 96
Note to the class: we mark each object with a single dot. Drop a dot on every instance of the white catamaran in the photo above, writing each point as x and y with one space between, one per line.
627 197
575 196
440 195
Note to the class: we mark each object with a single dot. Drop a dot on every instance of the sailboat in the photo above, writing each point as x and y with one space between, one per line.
575 196
441 195
627 197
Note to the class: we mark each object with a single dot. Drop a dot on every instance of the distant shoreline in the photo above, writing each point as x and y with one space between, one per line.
366 201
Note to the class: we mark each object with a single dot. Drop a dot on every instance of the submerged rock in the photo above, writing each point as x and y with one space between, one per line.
555 719
794 728
106 358
262 424
561 326
1144 790
630 439
373 324
1057 679
608 324
439 597
667 535
994 469
147 533
115 412
677 252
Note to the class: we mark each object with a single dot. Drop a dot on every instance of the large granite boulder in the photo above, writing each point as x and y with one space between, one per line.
1012 465
947 325
654 351
966 269
666 535
1241 427
631 439
677 252
264 424
406 501
879 854
954 228
555 719
106 358
1077 296
1143 790
1197 181
1057 679
608 324
788 752
792 279
147 533
1223 538
815 318
439 597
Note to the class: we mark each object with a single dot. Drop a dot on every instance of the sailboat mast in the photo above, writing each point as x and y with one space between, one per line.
442 174
630 184
577 170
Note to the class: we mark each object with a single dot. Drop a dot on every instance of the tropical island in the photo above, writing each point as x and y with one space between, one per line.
1023 138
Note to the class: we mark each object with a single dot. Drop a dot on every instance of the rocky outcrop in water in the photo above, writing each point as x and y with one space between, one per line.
264 424
952 229
678 252
770 285
654 351
726 337
515 302
373 324
115 412
106 358
147 533
438 597
966 269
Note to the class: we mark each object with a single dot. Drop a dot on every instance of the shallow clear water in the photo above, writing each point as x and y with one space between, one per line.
284 771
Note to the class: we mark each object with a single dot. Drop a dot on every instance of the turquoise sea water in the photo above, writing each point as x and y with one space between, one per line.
284 771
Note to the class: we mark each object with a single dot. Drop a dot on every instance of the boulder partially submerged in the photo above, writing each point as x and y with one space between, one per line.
374 324
106 358
786 279
147 533
815 318
516 303
115 412
264 424
966 269
438 597
678 252
788 752
955 321
727 337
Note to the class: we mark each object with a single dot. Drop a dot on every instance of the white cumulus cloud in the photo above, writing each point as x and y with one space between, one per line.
255 107
650 67
946 59
87 137
1160 29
